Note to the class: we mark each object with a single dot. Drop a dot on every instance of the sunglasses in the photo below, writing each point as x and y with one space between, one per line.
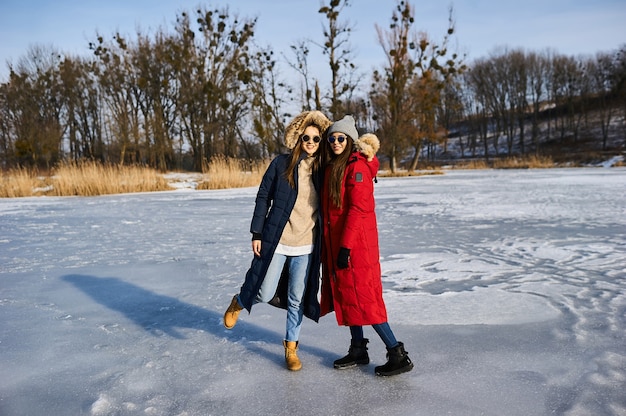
340 139
306 138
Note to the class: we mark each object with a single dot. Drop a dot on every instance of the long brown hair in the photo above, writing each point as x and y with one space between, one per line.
337 165
294 158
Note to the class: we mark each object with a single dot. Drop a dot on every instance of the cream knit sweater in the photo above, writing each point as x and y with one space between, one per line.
298 235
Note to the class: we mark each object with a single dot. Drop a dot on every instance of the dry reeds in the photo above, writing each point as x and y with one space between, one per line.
406 173
472 164
92 178
525 162
21 182
82 179
224 173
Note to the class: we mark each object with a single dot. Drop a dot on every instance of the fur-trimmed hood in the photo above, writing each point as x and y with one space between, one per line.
368 145
300 122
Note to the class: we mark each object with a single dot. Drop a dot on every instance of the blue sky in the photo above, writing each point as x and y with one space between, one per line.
570 27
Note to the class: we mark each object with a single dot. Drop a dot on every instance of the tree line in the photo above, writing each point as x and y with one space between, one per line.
178 98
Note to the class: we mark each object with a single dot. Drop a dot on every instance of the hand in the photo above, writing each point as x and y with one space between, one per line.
342 258
256 247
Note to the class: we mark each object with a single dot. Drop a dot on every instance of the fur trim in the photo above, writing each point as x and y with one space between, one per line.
368 144
300 122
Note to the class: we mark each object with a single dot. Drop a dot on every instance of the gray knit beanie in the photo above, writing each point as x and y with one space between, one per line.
346 125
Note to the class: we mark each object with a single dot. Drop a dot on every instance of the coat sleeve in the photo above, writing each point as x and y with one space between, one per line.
264 198
359 200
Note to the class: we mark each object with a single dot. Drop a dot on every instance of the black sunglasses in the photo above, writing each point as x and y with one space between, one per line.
306 138
340 139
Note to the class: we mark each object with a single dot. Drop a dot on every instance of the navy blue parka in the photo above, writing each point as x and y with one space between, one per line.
275 200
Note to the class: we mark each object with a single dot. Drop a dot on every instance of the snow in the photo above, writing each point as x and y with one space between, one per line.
507 287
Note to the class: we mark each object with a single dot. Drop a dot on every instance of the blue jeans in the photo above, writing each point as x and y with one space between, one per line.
383 330
298 273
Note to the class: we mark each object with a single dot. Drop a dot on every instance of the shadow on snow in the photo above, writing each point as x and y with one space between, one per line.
164 314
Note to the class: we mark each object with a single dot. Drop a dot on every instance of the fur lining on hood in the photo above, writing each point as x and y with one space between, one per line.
300 122
368 144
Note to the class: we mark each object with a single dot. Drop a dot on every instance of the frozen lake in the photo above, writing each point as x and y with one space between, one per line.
507 287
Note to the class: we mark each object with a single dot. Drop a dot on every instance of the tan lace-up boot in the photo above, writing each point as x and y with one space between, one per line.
291 356
232 313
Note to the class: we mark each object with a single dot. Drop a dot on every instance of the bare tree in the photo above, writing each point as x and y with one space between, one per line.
436 69
118 84
35 108
537 75
271 95
479 80
620 83
157 93
389 95
406 94
340 55
300 64
602 72
518 99
451 110
213 71
82 109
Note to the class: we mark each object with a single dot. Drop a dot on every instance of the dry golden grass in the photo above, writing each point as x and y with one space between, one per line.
92 178
404 173
472 164
224 173
21 182
525 162
82 179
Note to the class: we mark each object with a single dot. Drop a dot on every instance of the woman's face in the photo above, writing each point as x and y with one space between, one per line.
338 142
310 140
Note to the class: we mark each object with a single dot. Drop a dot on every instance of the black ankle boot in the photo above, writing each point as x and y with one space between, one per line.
398 362
357 354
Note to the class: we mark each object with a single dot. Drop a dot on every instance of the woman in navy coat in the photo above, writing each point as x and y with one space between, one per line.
286 234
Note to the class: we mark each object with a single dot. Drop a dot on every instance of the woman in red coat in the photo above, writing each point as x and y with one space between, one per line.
351 277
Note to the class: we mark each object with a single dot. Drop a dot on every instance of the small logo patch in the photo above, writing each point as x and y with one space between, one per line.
358 177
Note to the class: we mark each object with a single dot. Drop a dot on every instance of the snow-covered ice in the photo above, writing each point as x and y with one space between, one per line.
508 288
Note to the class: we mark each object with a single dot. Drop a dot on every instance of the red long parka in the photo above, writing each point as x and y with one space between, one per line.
355 293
